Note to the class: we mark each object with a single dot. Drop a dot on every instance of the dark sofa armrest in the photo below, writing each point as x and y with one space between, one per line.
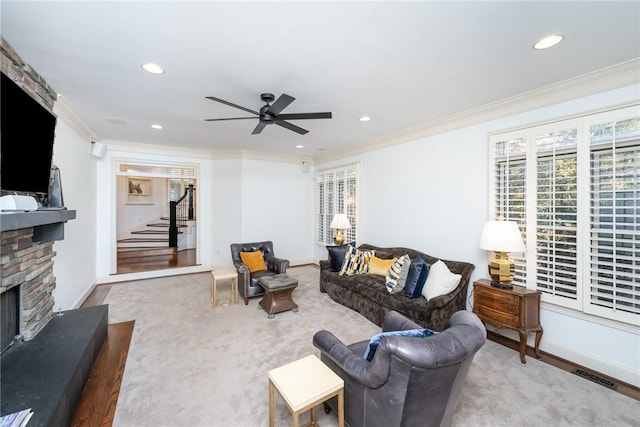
244 276
370 374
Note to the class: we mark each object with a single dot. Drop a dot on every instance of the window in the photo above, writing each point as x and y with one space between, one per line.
336 192
177 186
573 187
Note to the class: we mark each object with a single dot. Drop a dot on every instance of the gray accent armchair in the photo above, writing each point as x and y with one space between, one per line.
248 285
411 382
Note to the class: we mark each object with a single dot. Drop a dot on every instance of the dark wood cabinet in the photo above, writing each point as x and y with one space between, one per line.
517 308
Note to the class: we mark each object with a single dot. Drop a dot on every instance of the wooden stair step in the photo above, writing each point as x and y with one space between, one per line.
153 232
142 251
164 224
143 240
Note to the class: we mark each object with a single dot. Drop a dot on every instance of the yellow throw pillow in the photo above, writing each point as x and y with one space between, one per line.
253 260
379 266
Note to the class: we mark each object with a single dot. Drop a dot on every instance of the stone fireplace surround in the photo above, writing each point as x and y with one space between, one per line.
48 371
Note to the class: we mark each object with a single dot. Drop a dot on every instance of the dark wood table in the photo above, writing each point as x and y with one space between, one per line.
517 308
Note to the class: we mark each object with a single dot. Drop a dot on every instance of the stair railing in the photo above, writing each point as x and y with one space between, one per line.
180 212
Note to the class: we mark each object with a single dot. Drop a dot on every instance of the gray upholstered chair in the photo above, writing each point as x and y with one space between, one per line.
248 285
410 381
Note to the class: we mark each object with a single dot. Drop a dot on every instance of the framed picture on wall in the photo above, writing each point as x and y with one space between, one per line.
139 190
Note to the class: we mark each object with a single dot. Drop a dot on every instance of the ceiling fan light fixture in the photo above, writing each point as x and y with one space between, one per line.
365 118
156 126
548 41
152 68
299 146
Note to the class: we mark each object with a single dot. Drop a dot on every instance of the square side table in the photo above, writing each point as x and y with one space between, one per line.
303 385
224 274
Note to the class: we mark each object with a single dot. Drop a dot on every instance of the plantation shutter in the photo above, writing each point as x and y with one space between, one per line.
336 192
557 213
614 148
510 190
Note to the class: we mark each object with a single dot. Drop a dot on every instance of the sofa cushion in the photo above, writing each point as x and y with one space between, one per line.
355 261
375 340
253 260
397 274
337 254
440 281
416 277
379 266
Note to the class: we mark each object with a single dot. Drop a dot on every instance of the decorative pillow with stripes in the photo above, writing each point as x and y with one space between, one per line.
355 261
397 274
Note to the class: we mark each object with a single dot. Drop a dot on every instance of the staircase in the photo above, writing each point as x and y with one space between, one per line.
148 245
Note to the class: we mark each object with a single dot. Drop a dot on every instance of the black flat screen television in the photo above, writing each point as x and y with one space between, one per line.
27 132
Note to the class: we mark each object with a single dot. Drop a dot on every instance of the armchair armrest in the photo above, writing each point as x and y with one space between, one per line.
279 265
370 374
241 268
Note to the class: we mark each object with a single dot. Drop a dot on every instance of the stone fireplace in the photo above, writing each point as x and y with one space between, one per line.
27 266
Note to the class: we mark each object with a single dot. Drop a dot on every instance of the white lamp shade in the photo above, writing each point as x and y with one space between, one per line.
501 236
340 221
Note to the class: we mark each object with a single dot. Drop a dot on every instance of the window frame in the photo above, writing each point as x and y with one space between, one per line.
582 302
331 207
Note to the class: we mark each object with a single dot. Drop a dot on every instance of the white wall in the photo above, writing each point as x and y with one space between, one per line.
438 188
276 205
132 217
74 265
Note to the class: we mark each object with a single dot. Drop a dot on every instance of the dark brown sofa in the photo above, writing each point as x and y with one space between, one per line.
367 294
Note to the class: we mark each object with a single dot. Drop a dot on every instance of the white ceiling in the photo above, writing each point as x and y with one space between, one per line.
405 64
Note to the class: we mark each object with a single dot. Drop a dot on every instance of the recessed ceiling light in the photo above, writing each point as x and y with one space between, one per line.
548 41
365 118
299 146
155 126
152 68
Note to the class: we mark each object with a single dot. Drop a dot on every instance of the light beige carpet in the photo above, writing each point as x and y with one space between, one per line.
190 365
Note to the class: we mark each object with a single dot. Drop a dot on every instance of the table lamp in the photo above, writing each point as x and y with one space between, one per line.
339 222
501 237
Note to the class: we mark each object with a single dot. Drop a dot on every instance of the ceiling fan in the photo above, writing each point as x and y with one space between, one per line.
270 113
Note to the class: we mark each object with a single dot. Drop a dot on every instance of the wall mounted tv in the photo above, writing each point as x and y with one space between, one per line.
27 131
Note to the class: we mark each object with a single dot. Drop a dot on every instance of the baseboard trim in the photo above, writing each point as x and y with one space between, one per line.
564 364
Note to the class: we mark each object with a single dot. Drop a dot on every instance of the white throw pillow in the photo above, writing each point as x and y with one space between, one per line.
440 281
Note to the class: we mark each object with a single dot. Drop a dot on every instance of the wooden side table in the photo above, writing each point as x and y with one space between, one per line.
224 274
303 385
517 308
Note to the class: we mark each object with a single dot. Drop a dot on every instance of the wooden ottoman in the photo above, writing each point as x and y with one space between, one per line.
277 294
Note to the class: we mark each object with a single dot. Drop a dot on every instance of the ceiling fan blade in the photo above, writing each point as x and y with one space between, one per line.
280 104
232 105
258 128
302 116
289 126
229 118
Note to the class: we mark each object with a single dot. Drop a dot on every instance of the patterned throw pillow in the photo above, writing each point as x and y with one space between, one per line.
355 261
397 274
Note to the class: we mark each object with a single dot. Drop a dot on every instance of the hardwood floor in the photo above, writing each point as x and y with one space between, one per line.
184 258
97 405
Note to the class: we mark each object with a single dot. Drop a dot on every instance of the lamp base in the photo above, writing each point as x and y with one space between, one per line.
502 271
338 238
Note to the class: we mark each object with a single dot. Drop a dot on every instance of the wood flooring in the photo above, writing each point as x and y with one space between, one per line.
185 258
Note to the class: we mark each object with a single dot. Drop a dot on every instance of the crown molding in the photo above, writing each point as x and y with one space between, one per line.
614 77
63 110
